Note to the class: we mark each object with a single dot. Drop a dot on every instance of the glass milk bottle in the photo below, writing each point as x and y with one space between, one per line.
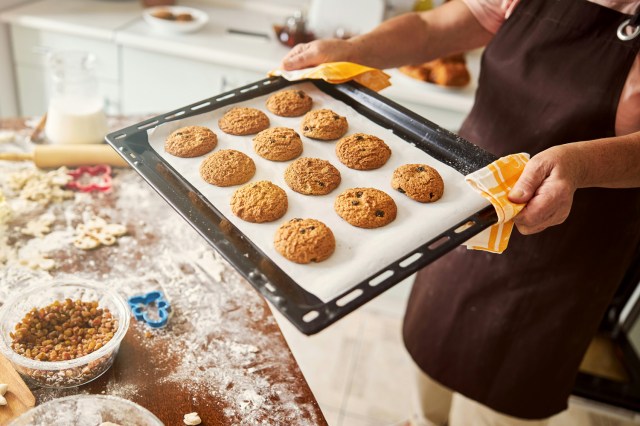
75 113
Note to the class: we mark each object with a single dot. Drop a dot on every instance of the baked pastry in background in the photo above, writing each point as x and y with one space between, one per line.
450 71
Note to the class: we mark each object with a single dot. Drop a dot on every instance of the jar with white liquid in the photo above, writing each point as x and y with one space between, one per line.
76 108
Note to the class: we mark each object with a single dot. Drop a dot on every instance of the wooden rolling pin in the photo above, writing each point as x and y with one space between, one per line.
51 156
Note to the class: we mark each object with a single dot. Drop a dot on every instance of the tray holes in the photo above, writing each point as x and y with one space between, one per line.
120 136
464 227
222 98
200 106
248 89
409 260
349 297
310 316
383 276
440 242
176 115
146 126
132 155
270 287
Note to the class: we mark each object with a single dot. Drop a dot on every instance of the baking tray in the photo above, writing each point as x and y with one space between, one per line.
308 312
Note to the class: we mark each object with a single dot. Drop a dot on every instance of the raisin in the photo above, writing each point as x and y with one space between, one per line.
402 191
306 128
355 203
301 94
431 195
321 184
359 138
379 213
336 117
420 169
302 231
311 228
359 194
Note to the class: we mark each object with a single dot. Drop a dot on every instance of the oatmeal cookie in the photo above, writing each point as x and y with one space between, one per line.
312 176
191 141
278 144
324 124
305 241
227 167
243 121
289 103
259 202
366 207
363 152
418 182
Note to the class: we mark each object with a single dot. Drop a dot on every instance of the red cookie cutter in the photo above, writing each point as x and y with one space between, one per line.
90 178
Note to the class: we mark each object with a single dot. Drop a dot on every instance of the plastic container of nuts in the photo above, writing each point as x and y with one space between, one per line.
81 410
63 334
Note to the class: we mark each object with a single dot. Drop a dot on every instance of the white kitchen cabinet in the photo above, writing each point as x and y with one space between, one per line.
30 49
157 83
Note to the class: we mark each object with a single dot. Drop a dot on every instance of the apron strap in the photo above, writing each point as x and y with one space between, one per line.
633 23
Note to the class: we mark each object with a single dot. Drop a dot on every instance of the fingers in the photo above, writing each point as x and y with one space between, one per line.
532 177
549 207
303 56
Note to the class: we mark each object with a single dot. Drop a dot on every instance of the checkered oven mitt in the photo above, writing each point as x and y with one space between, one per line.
339 72
494 182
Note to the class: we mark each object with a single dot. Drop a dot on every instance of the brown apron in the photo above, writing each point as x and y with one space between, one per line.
509 330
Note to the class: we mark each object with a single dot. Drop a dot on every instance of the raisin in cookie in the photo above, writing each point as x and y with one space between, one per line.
305 241
312 176
363 152
191 141
324 124
366 207
227 167
278 144
243 121
289 103
259 202
418 182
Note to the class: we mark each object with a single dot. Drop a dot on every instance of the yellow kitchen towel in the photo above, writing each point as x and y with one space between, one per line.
339 72
494 183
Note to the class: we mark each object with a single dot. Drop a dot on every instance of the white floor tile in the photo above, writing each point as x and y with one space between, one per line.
382 383
326 359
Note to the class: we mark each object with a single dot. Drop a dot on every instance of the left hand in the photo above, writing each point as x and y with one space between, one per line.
547 185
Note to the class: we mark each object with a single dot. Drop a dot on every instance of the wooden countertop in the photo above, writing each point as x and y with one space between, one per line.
222 353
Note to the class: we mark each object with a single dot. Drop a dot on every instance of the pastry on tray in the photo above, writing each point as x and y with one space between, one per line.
450 71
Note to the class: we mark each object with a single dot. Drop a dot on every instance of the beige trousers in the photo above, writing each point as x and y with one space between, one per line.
440 406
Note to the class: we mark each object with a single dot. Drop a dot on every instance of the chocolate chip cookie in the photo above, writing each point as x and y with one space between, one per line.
289 103
278 144
363 152
366 207
191 141
312 176
243 121
259 202
227 167
305 241
418 182
324 124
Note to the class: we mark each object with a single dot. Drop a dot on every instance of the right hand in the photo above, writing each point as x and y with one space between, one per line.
318 52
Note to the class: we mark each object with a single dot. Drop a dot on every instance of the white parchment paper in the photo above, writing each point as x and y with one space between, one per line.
359 252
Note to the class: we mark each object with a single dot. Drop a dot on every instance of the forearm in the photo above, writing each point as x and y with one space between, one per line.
419 37
609 163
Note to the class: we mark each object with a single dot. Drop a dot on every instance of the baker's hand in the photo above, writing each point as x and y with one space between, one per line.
317 52
547 185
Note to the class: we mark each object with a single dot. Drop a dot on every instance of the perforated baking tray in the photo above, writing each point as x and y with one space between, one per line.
360 270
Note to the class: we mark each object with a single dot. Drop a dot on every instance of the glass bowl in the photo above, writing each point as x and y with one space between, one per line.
74 372
81 410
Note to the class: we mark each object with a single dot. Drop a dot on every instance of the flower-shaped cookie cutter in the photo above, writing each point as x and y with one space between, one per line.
90 178
140 306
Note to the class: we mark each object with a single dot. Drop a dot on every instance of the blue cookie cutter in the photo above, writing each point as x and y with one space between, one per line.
139 306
